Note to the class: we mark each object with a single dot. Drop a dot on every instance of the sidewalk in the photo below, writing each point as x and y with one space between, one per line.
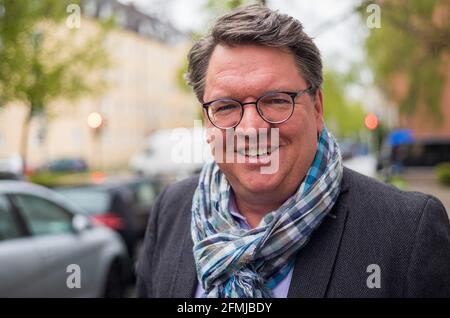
424 180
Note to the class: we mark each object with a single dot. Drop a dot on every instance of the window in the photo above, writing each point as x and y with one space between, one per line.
8 227
42 216
91 200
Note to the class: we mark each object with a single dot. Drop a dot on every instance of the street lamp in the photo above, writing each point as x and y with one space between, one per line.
95 120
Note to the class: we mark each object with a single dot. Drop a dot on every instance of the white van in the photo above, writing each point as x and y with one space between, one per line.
178 153
11 167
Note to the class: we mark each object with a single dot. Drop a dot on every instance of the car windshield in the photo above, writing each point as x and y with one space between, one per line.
92 201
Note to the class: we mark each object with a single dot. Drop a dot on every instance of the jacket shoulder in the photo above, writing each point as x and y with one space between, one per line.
399 231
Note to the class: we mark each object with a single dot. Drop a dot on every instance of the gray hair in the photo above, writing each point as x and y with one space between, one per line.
255 24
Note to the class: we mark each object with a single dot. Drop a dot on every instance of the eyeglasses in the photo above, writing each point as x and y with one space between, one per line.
273 107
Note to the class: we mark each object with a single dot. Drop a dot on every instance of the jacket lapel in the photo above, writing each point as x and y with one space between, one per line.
185 279
314 263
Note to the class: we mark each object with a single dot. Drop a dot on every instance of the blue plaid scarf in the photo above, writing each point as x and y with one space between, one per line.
236 262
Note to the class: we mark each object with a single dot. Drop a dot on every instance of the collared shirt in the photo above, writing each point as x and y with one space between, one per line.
279 291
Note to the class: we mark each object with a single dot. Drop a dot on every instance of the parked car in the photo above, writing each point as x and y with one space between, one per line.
4 175
123 206
43 236
415 153
352 148
67 165
426 153
11 167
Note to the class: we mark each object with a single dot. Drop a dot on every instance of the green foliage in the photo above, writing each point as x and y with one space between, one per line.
409 43
345 117
179 76
443 173
59 179
42 58
398 182
38 63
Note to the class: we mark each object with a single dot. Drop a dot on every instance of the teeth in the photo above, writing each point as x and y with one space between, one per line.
253 152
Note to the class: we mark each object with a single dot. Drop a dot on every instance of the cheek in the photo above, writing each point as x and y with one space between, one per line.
301 136
216 139
301 126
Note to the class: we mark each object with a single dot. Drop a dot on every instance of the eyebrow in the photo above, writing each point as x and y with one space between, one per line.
265 93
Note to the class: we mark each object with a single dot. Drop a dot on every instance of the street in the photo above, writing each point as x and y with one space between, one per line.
416 179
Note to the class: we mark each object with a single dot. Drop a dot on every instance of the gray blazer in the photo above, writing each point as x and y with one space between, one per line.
405 235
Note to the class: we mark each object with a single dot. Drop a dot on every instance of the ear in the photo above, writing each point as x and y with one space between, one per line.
318 110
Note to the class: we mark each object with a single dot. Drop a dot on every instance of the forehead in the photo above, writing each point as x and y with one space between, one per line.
246 71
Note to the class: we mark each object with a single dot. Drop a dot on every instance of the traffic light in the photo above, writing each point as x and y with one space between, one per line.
371 121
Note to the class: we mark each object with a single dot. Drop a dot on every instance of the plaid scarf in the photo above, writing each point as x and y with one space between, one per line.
235 262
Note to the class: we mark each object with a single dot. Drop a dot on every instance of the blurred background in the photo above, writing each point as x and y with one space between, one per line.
91 92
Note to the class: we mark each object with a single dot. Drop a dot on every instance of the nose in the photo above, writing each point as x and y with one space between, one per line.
251 118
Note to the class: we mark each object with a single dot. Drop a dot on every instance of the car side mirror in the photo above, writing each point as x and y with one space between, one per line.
81 223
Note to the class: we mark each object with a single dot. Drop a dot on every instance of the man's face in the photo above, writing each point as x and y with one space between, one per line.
245 73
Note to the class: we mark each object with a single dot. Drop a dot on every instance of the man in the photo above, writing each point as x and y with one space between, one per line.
310 228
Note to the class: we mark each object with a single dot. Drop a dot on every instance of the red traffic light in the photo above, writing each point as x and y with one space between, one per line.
371 121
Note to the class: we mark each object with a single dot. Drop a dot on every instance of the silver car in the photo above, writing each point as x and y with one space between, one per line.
49 248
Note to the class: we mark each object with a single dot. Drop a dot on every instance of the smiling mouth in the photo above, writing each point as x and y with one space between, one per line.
256 152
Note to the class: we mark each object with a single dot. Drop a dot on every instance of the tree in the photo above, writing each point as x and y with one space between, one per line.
411 43
345 117
44 56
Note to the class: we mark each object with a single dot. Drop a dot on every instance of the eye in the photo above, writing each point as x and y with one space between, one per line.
224 107
277 101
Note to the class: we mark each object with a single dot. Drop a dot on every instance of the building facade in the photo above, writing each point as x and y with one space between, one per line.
422 122
142 96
